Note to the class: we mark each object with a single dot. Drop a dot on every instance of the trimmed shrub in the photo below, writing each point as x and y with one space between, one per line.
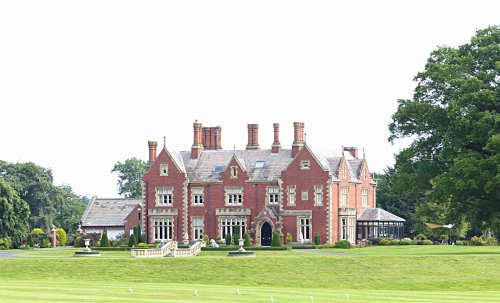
5 243
205 238
421 237
104 240
142 245
459 242
491 241
138 236
45 243
61 236
394 242
477 241
317 239
276 241
343 244
288 238
132 241
29 241
406 241
373 241
427 242
228 239
248 242
236 238
416 242
78 242
383 241
328 245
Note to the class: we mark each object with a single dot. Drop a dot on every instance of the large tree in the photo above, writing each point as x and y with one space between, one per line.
454 123
69 208
34 185
14 213
130 174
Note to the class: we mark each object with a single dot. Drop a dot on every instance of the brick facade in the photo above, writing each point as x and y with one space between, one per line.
214 191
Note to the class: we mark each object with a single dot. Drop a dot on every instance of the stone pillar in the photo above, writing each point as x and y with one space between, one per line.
53 233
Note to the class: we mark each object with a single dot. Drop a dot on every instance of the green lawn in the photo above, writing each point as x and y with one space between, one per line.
378 274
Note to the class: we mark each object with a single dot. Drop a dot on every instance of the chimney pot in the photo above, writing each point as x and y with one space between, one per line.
152 150
253 136
298 134
276 147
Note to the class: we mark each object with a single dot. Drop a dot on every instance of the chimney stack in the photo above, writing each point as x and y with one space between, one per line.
353 151
152 151
211 137
253 136
276 147
197 145
298 135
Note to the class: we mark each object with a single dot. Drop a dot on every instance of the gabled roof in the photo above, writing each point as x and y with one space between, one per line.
201 170
176 158
108 212
334 163
378 214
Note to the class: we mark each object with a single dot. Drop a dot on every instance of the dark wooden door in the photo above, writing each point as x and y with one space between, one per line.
266 234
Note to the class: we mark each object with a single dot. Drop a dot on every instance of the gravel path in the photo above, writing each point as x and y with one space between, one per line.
9 254
331 253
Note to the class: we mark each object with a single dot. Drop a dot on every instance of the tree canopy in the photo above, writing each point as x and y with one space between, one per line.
454 123
130 174
14 213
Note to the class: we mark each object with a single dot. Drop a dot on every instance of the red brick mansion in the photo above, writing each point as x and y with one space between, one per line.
212 191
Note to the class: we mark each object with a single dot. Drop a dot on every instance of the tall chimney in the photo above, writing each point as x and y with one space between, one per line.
197 145
276 147
253 136
152 151
298 135
353 151
211 137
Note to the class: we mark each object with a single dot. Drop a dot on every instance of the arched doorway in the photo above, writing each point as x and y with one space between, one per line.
266 232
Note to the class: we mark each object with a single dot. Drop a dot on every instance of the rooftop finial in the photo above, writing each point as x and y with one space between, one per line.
364 157
234 149
164 141
305 137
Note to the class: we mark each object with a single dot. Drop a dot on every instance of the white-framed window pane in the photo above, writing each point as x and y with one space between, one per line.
197 193
234 195
343 195
305 229
305 164
291 194
273 195
164 196
364 197
198 228
232 225
163 169
318 197
163 229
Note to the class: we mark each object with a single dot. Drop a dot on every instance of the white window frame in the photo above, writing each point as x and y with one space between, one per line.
163 228
228 224
163 169
198 224
164 196
347 228
364 196
234 172
305 164
304 195
318 195
234 196
344 196
304 225
273 195
292 194
197 196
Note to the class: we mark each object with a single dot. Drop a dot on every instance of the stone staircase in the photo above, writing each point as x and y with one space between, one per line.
169 249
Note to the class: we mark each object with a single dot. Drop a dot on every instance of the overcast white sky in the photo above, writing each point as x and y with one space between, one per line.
84 84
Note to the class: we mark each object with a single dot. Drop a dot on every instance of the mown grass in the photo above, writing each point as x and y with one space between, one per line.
384 274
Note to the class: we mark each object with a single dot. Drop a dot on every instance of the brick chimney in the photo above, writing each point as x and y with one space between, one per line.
298 135
276 147
253 136
152 151
197 145
353 151
211 137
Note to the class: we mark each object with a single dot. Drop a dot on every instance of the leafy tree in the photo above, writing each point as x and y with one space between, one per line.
61 236
454 123
130 174
14 213
34 185
104 240
69 208
29 241
276 241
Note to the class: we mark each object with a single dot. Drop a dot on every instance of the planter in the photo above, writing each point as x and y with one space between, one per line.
87 254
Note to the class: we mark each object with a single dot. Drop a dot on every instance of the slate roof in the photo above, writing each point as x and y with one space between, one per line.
108 212
378 214
201 170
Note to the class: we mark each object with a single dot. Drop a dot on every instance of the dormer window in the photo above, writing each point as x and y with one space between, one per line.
164 169
218 169
234 171
305 164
